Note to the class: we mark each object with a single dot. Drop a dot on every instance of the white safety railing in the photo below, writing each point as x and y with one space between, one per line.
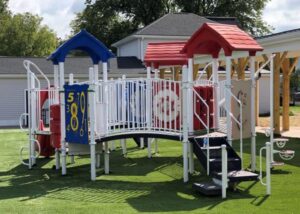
267 148
198 99
135 105
223 114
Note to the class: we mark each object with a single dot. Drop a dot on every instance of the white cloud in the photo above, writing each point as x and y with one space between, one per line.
282 15
57 14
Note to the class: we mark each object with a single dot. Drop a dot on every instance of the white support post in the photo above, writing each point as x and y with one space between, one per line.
156 73
106 158
34 119
98 160
105 98
253 117
155 146
142 143
123 145
191 158
30 117
71 82
57 159
72 159
71 79
56 83
268 167
216 92
92 104
62 118
149 147
272 105
148 99
224 171
96 78
228 99
185 122
190 112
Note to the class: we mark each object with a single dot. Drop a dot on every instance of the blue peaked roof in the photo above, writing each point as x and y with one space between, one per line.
82 41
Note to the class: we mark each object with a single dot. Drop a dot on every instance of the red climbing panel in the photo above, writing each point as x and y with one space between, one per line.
206 93
55 125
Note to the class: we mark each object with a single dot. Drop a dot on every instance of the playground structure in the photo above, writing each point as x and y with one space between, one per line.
84 117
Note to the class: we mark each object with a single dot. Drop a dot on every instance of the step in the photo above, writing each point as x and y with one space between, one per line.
277 163
211 147
220 159
238 176
208 188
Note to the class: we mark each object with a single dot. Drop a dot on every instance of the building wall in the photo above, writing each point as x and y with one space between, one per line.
12 101
130 49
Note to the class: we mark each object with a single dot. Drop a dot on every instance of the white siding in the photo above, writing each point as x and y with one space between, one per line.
130 49
12 101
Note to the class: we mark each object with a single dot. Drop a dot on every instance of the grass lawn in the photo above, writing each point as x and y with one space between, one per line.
136 184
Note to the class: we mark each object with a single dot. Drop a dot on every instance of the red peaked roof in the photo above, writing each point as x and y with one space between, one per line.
167 53
212 37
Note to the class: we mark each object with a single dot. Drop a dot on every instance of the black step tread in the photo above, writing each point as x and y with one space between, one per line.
208 188
238 176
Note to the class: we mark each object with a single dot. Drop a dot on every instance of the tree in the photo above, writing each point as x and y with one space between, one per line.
23 35
102 20
3 7
112 20
248 13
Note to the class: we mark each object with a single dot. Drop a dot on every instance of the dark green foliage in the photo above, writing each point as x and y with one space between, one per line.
112 20
248 13
24 35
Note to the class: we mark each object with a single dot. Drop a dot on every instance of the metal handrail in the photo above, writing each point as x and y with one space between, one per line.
204 70
205 125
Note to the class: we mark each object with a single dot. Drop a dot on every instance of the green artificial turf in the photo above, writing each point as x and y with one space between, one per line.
136 184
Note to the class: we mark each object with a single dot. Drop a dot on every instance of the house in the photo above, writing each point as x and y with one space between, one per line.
13 80
170 27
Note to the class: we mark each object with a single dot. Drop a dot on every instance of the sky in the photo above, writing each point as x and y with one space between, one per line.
57 14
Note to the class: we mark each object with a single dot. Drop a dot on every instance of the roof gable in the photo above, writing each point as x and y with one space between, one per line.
213 37
174 24
82 41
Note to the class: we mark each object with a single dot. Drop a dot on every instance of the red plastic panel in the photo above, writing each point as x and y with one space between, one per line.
55 126
206 93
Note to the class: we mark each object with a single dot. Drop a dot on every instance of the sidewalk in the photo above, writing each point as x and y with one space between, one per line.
294 132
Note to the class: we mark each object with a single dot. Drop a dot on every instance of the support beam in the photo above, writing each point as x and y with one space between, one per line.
279 58
162 73
177 73
242 63
286 95
195 71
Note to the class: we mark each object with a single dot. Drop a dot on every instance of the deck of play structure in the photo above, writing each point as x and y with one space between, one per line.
206 115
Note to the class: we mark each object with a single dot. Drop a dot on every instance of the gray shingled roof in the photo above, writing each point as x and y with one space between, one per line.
279 33
14 65
75 65
174 24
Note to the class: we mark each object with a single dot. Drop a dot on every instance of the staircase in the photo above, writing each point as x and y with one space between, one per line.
235 172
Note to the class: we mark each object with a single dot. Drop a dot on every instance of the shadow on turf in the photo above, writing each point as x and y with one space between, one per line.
144 196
